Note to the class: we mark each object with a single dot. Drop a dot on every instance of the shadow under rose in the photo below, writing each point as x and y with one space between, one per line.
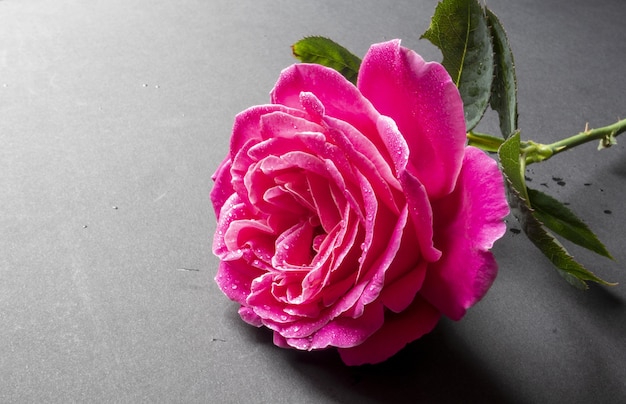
439 367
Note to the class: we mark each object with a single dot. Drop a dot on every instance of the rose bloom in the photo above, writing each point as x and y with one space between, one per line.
355 216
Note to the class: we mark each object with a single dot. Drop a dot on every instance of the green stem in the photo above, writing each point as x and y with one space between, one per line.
537 152
484 142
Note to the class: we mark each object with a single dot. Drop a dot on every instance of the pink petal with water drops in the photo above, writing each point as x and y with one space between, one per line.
248 125
343 331
340 98
398 330
414 191
426 106
234 278
468 222
222 188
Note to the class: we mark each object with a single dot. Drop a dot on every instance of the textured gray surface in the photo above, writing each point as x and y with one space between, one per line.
113 115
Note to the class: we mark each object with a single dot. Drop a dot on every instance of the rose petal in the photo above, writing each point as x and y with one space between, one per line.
398 330
421 214
248 126
326 206
233 209
343 331
365 158
222 188
294 246
467 224
340 98
398 295
234 278
281 124
425 104
375 274
249 316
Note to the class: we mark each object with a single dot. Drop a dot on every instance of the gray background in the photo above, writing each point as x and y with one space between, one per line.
114 114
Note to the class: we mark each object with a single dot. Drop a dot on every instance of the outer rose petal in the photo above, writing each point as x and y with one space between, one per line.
223 188
343 331
425 104
399 329
234 279
467 223
340 98
248 124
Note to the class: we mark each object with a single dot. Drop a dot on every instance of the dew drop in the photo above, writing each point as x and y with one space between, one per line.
283 317
233 287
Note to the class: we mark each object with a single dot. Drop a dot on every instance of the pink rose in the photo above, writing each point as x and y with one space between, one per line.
353 217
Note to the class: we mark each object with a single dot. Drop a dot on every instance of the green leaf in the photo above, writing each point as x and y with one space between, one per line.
573 272
512 163
504 89
459 29
558 218
325 52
